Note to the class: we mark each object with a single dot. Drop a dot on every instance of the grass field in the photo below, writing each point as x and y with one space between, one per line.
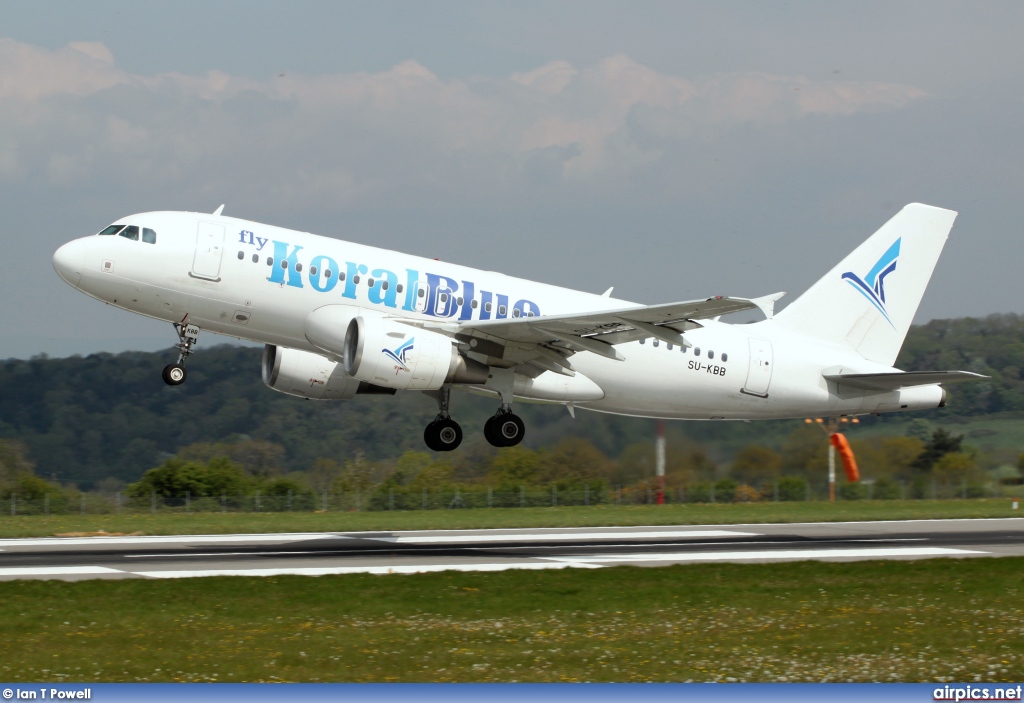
603 515
937 620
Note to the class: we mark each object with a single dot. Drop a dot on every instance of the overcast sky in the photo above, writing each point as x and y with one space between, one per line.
674 150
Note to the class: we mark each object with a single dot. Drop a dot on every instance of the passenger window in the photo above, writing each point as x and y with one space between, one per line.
130 232
458 301
369 283
443 297
398 288
312 270
711 354
148 235
421 292
643 341
384 285
355 279
515 312
487 307
725 357
696 351
241 255
341 276
502 309
656 342
327 273
474 303
284 263
298 267
670 346
112 229
270 261
255 258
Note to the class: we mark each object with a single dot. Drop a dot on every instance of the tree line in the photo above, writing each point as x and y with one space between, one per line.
105 417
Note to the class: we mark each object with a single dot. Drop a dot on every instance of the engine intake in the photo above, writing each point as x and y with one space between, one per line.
392 354
307 375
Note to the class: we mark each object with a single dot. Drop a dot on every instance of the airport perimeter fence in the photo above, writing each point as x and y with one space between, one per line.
790 489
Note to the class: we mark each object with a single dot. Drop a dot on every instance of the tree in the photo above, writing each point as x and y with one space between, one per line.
517 466
13 461
176 478
323 474
940 444
574 460
755 464
955 467
805 451
887 457
255 456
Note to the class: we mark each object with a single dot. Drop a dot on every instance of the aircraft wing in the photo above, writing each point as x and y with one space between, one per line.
547 341
900 379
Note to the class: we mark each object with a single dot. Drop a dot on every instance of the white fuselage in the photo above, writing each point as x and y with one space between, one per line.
260 283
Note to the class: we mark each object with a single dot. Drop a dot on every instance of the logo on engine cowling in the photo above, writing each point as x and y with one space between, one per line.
399 355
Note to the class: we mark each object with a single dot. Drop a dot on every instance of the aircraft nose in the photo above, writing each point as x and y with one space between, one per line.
69 260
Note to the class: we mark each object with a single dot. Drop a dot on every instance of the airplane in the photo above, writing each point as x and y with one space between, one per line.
339 319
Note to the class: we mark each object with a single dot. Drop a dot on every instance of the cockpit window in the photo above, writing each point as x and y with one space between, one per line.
112 229
148 235
130 232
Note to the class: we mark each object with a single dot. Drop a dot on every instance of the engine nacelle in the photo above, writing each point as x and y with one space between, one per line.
388 353
308 375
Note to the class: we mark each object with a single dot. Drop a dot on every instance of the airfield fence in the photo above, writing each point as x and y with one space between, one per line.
403 498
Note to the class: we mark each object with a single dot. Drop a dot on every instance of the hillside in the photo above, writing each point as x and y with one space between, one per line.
105 415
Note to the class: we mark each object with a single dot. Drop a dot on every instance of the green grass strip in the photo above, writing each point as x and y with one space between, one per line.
602 515
935 620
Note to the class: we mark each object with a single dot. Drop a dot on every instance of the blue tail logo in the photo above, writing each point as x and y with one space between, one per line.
872 286
399 355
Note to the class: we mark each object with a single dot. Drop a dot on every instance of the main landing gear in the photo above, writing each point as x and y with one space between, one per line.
504 429
443 434
175 374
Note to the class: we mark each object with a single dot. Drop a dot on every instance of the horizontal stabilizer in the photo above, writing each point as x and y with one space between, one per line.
897 380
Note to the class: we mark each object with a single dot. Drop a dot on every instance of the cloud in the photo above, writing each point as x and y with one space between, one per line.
71 117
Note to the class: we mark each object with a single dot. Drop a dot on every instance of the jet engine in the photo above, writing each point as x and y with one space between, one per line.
311 376
389 353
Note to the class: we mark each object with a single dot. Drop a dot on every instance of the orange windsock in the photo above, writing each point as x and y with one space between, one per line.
846 454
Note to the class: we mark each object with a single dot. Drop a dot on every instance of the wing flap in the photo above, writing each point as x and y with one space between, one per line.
900 379
592 325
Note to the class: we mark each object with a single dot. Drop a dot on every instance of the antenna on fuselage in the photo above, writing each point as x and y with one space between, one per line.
219 210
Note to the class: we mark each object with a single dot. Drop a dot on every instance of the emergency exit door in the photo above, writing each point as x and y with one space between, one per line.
759 370
209 248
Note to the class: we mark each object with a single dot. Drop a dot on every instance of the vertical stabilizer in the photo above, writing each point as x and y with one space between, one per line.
868 301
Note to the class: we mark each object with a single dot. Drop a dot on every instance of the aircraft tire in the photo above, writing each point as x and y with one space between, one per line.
509 429
489 432
447 435
430 437
174 374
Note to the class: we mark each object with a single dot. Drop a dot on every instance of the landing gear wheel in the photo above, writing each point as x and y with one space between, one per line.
505 430
449 434
174 374
442 435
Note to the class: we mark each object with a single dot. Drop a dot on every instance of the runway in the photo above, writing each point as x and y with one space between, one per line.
317 554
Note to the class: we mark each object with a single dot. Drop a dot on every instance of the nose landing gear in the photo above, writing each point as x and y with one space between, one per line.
175 374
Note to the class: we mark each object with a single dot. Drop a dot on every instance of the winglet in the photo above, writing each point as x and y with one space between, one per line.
219 210
767 303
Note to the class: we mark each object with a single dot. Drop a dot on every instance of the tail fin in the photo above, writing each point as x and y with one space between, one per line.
868 301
